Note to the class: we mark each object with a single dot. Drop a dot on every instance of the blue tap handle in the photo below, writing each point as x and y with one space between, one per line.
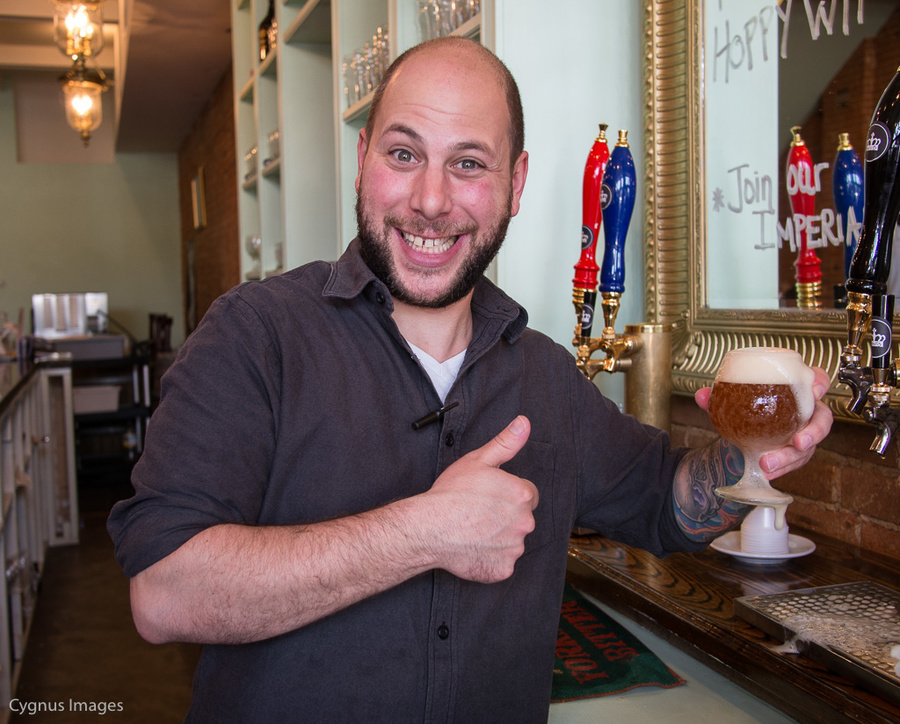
847 188
618 194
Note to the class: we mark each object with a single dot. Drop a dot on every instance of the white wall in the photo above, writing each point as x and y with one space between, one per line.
90 228
578 64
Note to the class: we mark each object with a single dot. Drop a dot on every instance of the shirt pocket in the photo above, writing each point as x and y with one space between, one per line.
537 462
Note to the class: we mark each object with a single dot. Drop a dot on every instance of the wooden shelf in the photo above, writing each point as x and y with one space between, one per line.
358 109
272 168
246 93
268 68
312 24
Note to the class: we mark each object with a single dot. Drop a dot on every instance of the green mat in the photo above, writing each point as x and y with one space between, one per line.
595 656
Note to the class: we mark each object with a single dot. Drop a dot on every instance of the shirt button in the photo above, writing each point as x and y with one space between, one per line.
443 632
379 297
449 439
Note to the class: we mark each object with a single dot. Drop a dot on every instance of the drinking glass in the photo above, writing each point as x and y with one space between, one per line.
761 396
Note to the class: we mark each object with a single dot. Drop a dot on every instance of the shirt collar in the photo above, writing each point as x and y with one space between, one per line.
350 276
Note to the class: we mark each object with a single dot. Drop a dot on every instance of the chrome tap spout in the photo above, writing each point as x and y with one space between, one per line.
859 380
886 419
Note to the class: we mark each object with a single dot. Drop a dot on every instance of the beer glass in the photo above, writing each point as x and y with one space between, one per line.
761 396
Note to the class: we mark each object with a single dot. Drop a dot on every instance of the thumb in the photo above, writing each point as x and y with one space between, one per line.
505 445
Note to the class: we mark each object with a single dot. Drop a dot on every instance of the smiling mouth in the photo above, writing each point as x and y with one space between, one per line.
429 246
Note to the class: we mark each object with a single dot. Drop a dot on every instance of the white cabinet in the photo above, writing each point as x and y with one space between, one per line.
299 202
39 496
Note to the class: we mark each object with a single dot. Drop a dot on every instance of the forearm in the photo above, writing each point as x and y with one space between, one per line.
701 514
236 584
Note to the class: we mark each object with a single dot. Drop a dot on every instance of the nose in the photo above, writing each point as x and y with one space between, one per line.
431 193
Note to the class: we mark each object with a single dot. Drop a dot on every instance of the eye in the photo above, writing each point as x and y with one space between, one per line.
469 164
403 155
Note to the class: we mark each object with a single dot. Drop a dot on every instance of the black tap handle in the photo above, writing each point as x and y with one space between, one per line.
882 319
872 259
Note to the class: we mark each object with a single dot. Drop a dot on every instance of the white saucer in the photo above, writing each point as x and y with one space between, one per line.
730 543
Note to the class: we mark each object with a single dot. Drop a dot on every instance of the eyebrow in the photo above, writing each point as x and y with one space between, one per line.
404 130
416 136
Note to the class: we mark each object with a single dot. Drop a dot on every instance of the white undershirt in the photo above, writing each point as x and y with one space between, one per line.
442 374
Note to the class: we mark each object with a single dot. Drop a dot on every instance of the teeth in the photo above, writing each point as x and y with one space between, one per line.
429 246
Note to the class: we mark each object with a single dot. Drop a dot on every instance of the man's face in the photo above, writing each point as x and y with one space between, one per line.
435 187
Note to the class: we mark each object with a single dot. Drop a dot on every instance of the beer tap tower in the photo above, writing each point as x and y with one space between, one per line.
644 351
869 306
609 193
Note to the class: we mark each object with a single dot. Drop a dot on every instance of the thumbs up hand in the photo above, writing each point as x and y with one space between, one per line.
481 513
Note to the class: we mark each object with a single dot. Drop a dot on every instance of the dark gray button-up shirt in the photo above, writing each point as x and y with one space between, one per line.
293 402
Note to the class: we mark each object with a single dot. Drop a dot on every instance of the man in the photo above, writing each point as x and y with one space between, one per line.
358 488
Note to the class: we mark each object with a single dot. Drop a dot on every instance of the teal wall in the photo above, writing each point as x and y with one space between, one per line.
578 64
90 228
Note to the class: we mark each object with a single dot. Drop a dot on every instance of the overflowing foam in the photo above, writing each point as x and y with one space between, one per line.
771 366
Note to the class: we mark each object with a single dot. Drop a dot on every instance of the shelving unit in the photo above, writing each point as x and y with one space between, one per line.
39 499
108 442
302 203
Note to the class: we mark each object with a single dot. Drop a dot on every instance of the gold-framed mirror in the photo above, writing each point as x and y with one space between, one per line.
675 213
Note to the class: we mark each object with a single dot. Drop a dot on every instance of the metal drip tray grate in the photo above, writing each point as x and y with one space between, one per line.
851 628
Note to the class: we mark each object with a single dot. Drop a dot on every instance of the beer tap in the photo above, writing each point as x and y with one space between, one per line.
801 185
584 285
869 308
847 190
615 189
879 411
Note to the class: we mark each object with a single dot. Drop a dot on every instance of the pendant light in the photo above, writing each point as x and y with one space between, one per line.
78 27
78 31
82 89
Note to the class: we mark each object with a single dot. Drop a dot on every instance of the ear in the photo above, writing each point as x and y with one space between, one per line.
362 145
520 172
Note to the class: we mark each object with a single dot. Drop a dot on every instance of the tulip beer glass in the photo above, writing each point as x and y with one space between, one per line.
760 398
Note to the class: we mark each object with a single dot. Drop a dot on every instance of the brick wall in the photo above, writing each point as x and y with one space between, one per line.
216 253
845 491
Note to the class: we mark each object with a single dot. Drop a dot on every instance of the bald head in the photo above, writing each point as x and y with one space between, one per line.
469 53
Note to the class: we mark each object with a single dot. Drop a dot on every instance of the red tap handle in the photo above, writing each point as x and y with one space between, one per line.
586 269
801 186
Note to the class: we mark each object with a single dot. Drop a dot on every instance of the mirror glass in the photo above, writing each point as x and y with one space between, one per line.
768 67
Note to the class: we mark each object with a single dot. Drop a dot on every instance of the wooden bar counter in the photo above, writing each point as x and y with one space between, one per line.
688 601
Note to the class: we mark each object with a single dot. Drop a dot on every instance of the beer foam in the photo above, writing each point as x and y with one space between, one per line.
771 366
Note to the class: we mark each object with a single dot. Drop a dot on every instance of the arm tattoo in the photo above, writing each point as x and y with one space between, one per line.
701 513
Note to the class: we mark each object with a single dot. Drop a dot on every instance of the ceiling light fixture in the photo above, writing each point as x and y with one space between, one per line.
78 27
82 89
78 31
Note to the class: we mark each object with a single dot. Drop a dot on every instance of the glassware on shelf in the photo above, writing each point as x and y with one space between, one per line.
347 75
380 54
274 147
439 18
279 260
363 68
254 246
360 66
250 163
267 32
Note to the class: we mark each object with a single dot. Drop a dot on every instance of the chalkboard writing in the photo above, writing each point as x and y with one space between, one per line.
740 44
819 18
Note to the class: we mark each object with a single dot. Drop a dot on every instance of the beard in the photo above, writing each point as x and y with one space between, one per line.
375 246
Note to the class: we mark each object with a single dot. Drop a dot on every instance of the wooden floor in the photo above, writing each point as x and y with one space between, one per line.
83 652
